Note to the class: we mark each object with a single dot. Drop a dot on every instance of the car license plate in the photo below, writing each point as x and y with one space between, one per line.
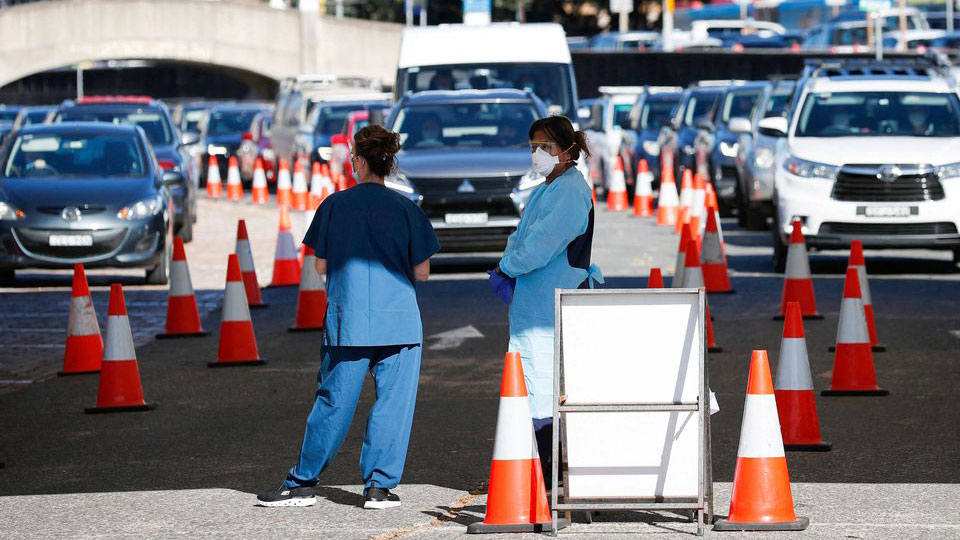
479 218
71 240
887 211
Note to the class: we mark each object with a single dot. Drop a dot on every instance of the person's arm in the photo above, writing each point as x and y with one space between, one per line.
321 266
421 272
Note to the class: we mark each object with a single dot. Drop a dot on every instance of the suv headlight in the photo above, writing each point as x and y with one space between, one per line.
10 213
763 158
141 209
949 171
729 149
810 169
530 180
651 148
399 182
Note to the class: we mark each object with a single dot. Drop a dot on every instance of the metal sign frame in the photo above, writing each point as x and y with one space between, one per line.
702 504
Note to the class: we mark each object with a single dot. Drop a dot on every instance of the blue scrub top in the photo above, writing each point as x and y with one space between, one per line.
371 237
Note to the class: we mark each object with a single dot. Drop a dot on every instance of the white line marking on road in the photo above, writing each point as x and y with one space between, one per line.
451 339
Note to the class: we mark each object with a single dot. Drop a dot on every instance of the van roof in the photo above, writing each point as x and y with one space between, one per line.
497 43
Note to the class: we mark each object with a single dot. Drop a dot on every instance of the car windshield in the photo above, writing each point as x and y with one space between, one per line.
656 113
621 115
35 117
35 155
229 122
550 82
738 104
329 119
190 120
153 122
698 105
465 125
8 115
856 35
874 114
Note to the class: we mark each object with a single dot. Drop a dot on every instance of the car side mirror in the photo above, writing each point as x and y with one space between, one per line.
189 138
740 125
172 178
703 122
773 126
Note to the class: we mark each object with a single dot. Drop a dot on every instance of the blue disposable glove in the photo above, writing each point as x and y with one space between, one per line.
501 285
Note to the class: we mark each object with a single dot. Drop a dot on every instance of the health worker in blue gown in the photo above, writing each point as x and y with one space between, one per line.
550 250
373 244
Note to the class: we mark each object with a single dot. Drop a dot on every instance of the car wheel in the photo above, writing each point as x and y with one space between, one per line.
749 217
956 255
8 276
186 228
160 274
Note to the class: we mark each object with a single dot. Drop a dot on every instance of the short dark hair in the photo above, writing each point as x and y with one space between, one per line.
378 147
560 130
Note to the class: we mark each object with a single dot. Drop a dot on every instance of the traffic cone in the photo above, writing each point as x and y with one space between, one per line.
761 498
299 196
238 344
312 298
245 255
713 207
234 185
643 198
678 272
667 201
857 261
120 388
686 199
853 371
317 187
655 281
617 195
796 405
183 317
693 278
84 349
697 210
284 189
716 276
259 192
517 497
797 283
341 182
286 266
214 186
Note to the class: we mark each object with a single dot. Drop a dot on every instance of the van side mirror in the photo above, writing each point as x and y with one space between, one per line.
740 126
773 126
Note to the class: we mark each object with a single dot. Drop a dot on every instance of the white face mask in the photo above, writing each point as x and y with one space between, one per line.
543 162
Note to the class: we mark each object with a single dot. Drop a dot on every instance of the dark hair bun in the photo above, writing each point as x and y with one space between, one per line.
378 146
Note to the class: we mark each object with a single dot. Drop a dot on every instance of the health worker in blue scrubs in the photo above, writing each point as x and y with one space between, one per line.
373 244
550 250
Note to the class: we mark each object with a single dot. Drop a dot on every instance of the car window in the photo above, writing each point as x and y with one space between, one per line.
153 122
873 114
621 115
75 155
7 115
191 120
698 105
656 113
464 125
229 122
738 104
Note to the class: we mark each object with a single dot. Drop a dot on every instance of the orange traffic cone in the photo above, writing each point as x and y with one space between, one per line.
693 278
678 271
697 208
316 188
655 281
284 188
214 185
120 388
84 345
234 185
796 405
643 198
517 497
761 498
238 344
245 255
259 192
299 197
667 201
617 195
797 283
853 370
341 182
286 266
312 298
716 277
183 317
712 206
857 261
686 200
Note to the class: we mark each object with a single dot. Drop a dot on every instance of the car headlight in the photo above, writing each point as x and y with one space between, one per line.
949 171
399 182
651 148
143 208
216 150
325 153
763 158
810 169
530 180
729 149
10 213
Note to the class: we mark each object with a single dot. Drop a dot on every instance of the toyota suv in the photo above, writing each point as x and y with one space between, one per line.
872 153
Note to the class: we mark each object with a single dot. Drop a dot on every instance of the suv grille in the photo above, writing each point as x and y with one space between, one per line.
443 196
892 229
862 183
501 185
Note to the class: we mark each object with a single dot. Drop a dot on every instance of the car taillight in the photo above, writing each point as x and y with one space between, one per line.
166 164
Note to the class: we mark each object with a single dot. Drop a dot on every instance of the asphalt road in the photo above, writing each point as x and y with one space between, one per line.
235 432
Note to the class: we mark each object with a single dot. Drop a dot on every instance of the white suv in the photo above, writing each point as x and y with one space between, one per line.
872 153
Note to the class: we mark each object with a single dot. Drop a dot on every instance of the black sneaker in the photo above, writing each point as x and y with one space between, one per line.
375 498
298 496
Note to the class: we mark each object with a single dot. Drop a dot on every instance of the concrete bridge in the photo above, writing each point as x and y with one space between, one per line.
245 36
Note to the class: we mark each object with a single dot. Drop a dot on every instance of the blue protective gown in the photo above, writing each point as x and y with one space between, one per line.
550 250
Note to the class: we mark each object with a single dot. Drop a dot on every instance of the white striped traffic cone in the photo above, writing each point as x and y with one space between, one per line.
643 198
120 388
258 190
617 194
286 264
716 275
853 369
693 279
796 404
214 184
797 281
857 261
761 498
667 200
686 200
680 267
247 269
238 344
183 317
234 185
284 187
299 192
698 210
312 297
84 349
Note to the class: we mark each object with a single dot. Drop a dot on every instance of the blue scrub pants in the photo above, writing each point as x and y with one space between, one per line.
396 372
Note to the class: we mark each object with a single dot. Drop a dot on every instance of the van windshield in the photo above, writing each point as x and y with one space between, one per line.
550 82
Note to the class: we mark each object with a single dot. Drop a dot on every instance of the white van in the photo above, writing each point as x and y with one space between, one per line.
535 57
